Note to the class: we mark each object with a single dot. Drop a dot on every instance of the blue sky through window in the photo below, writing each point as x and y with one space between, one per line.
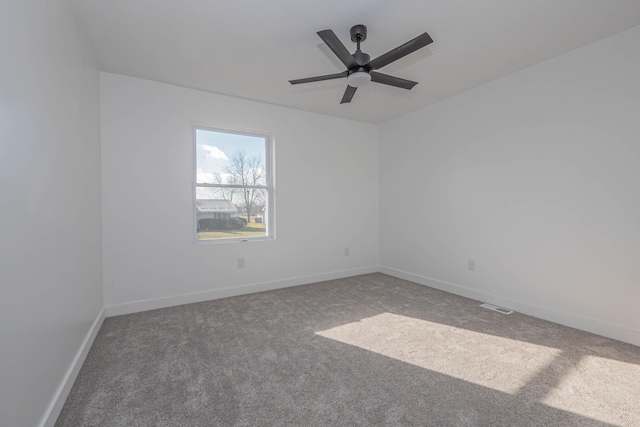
214 149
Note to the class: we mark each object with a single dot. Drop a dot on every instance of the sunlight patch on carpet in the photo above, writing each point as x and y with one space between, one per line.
491 361
595 387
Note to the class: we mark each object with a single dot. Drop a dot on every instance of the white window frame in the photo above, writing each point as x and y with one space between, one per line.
269 186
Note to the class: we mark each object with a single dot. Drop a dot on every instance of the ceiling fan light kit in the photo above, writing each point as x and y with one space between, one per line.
359 79
360 68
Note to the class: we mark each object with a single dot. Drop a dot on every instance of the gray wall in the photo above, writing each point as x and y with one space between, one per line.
326 197
535 177
50 213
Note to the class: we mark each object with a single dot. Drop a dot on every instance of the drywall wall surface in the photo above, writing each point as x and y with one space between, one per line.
50 249
535 177
326 173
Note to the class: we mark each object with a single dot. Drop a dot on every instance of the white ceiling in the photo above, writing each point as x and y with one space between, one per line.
251 48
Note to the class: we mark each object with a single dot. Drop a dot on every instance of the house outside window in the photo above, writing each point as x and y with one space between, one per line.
233 194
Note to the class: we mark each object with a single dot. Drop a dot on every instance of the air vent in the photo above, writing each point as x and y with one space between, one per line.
496 308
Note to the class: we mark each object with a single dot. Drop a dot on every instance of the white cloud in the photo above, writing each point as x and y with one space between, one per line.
205 177
214 152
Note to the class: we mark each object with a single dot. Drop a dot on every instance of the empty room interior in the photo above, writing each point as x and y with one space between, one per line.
262 213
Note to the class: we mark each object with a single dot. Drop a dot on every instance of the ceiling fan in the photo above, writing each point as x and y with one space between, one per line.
360 68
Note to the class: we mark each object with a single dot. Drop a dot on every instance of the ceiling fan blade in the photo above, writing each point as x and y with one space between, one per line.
401 51
391 80
331 40
319 78
348 94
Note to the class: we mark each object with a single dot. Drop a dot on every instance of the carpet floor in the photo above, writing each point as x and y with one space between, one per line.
362 351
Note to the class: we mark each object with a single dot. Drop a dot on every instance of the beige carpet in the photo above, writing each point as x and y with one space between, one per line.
362 351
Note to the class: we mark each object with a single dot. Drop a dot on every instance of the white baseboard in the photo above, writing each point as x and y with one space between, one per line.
152 304
57 402
599 327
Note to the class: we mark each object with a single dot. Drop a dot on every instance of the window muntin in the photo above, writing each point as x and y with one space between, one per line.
233 190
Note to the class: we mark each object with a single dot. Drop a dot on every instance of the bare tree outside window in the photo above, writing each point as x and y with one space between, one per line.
227 193
249 172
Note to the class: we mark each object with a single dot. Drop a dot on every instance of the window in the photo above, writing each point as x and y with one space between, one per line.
234 187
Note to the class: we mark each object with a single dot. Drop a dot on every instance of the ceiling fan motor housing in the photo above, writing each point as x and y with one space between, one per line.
362 59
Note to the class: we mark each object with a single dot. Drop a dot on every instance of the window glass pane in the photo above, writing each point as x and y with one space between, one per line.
221 218
230 194
226 158
235 164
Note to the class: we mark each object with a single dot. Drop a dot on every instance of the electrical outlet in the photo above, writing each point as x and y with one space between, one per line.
346 251
472 265
240 262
